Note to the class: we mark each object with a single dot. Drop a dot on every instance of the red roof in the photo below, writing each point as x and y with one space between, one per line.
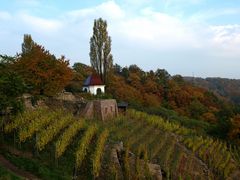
93 80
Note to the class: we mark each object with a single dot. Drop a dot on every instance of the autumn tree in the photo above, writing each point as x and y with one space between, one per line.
100 50
235 127
42 71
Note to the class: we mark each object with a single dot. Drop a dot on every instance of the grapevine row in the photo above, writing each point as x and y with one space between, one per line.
23 119
159 122
46 135
84 144
67 136
38 124
96 160
214 153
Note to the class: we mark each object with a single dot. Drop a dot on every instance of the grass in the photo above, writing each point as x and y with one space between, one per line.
35 167
7 175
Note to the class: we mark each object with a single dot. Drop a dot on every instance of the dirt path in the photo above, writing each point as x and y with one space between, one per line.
9 166
16 152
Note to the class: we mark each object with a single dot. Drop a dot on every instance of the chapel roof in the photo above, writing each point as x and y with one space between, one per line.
93 80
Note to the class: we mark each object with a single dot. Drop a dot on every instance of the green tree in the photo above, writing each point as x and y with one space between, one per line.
100 50
196 109
80 73
11 86
117 69
125 73
27 44
162 76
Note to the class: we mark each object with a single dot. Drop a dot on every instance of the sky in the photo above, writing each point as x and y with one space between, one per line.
198 38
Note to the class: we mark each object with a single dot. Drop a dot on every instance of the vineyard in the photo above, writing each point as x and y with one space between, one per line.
81 148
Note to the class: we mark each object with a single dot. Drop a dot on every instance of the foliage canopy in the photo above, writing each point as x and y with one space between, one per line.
43 72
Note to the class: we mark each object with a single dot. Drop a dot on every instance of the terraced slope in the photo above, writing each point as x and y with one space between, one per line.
86 145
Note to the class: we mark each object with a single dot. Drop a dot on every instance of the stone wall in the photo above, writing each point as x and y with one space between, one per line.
101 109
107 109
117 161
65 100
98 109
75 107
66 96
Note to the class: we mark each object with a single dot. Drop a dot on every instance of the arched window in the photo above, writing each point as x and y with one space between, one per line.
85 90
99 91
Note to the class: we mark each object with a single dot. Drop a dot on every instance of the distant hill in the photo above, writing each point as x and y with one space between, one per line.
229 88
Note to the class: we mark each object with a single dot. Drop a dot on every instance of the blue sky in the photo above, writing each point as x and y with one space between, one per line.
187 37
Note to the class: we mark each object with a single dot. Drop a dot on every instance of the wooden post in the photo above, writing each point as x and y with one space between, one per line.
36 152
55 156
14 139
74 172
2 131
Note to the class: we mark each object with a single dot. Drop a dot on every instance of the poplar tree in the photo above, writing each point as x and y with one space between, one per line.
100 50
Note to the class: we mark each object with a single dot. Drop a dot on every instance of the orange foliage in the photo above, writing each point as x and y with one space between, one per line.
155 89
45 74
119 89
151 100
209 117
235 127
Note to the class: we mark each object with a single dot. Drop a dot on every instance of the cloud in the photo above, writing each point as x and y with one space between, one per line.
40 24
226 38
148 37
225 34
157 29
106 9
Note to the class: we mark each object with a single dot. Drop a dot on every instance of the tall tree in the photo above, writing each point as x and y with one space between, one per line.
100 50
27 44
42 71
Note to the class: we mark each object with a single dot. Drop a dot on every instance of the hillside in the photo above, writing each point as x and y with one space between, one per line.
173 128
60 146
228 88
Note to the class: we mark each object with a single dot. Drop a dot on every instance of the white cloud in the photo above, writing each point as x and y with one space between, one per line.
226 39
40 24
157 29
107 9
148 38
226 34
